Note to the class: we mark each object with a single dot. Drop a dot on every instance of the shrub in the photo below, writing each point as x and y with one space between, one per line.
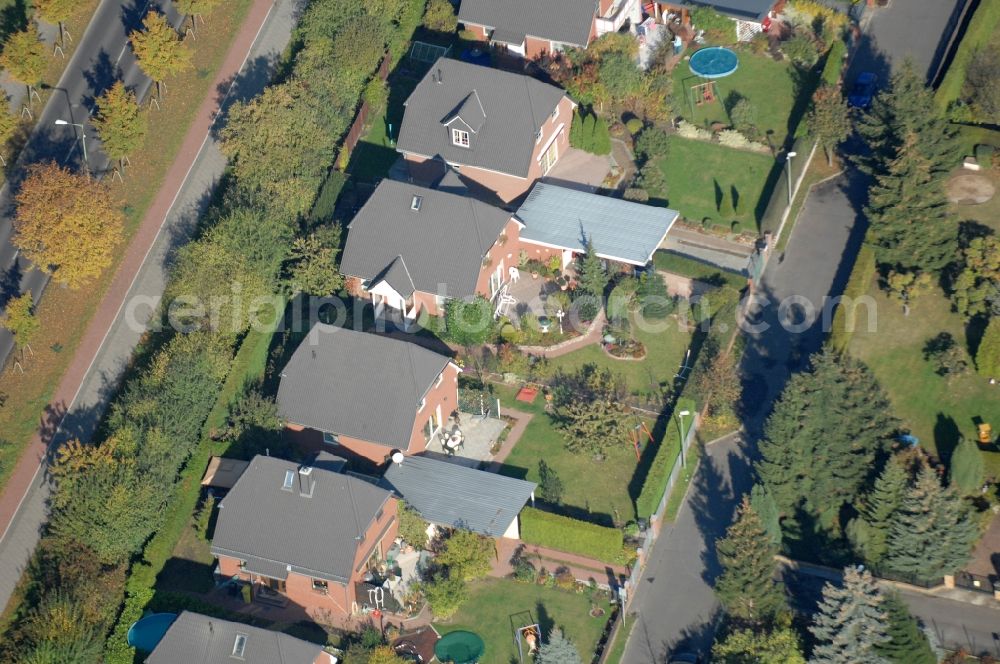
988 353
634 126
440 16
636 195
445 594
834 64
801 49
736 227
984 155
550 487
467 555
716 26
589 133
571 535
655 485
468 323
326 202
524 571
652 143
686 129
412 526
743 115
376 94
842 326
655 303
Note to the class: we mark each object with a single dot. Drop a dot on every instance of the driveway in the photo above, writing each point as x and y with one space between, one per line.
581 170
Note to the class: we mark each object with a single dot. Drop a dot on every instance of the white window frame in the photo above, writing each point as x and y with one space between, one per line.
321 585
555 113
460 138
331 438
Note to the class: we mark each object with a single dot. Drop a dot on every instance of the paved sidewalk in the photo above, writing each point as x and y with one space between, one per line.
109 341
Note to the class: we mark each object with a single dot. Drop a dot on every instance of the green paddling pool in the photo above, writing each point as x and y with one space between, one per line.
460 647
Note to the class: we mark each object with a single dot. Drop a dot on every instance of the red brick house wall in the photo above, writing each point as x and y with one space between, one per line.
444 395
337 598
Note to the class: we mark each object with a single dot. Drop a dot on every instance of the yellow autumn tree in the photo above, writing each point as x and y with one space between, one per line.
66 223
160 50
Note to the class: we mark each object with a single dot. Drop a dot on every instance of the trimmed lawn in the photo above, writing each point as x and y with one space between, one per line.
376 152
769 86
937 410
495 609
664 352
605 491
700 173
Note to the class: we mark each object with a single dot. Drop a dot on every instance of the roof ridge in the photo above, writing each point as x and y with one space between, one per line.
479 235
402 262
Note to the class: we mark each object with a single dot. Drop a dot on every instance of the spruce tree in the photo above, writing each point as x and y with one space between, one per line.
850 624
907 643
557 650
933 533
593 277
869 530
906 107
763 505
826 433
966 472
747 586
910 227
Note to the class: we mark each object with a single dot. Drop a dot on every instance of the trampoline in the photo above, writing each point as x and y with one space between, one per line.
145 634
460 647
713 62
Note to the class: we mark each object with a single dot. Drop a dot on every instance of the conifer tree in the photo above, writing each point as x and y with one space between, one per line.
907 643
908 212
763 505
747 587
557 650
850 623
906 107
868 532
775 644
823 438
988 354
933 533
593 277
966 472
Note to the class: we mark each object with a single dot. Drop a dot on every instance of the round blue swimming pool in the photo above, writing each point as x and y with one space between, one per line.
713 62
145 633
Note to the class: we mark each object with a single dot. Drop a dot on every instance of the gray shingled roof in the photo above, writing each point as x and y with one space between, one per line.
198 639
311 528
452 495
566 21
620 230
441 245
515 108
357 384
748 10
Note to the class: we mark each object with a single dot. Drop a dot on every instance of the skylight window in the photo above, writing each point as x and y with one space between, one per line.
289 480
416 202
239 646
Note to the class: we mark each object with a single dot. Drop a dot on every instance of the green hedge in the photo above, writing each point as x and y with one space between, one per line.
834 64
655 485
981 28
248 365
589 133
571 535
857 285
688 267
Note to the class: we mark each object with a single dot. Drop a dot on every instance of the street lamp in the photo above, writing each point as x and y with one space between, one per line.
789 158
680 430
83 140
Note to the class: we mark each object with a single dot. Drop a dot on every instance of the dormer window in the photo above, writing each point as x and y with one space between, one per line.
460 138
239 646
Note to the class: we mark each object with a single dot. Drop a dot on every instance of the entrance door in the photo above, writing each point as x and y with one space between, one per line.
550 156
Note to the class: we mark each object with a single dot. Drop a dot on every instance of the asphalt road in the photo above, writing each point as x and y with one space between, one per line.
102 56
84 413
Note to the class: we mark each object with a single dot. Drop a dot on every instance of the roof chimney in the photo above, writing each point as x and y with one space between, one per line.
306 483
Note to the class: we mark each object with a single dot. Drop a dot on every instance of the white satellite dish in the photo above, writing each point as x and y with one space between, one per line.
397 457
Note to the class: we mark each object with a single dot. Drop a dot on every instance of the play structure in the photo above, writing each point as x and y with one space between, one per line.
460 647
708 65
527 634
147 632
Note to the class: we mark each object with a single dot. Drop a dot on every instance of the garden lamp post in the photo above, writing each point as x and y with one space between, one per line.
559 315
83 141
680 429
789 158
